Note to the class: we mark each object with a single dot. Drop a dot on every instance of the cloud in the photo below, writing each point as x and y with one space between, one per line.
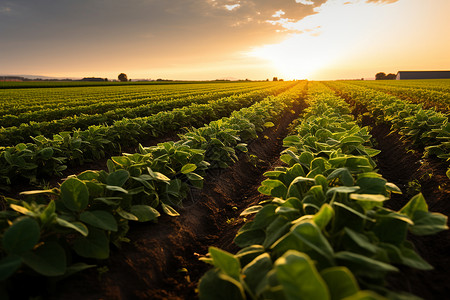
381 1
5 10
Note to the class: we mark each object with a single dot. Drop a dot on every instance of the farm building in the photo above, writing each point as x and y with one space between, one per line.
422 75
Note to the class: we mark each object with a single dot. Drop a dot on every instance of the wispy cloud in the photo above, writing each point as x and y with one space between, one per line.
381 1
5 10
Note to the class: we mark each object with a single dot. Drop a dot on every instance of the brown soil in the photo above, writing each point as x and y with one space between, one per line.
401 164
161 261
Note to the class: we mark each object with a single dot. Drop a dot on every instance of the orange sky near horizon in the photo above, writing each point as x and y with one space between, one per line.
212 39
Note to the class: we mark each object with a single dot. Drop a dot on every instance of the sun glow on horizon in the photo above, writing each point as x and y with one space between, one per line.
339 31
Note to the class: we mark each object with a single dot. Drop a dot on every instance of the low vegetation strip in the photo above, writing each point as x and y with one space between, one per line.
91 210
47 157
102 111
425 128
427 97
324 233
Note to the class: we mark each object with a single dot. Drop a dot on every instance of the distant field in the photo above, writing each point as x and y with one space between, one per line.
45 84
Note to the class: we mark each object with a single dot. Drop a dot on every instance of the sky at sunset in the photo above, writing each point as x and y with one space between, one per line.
212 39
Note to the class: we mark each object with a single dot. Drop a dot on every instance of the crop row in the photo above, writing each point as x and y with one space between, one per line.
49 105
440 85
428 98
22 100
47 157
424 127
18 128
91 210
324 233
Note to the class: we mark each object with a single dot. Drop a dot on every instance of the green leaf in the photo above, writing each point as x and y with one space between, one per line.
169 210
74 194
22 236
269 124
417 203
144 213
256 270
21 209
426 223
48 260
226 262
95 245
363 264
188 168
126 215
215 285
340 281
299 277
251 210
118 178
116 189
100 219
323 216
77 226
8 265
368 197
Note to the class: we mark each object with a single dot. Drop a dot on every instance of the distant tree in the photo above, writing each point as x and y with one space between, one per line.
123 77
380 76
267 79
275 79
280 79
391 76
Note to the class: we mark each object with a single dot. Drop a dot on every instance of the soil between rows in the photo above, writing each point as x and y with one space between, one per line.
161 261
404 165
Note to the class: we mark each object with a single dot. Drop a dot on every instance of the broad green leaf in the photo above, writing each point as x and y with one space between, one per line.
48 215
368 295
368 197
426 223
126 215
360 240
116 189
417 203
9 265
95 245
169 210
256 270
299 277
21 209
226 262
88 175
340 281
48 259
361 264
74 194
215 285
269 124
77 226
144 213
188 168
118 178
250 237
251 210
22 236
100 219
323 216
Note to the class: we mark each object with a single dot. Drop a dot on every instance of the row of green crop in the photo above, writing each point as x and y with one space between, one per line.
424 127
20 101
440 85
18 128
69 102
47 157
91 210
427 97
324 233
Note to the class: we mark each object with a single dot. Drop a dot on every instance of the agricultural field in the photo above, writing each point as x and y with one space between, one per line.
238 190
